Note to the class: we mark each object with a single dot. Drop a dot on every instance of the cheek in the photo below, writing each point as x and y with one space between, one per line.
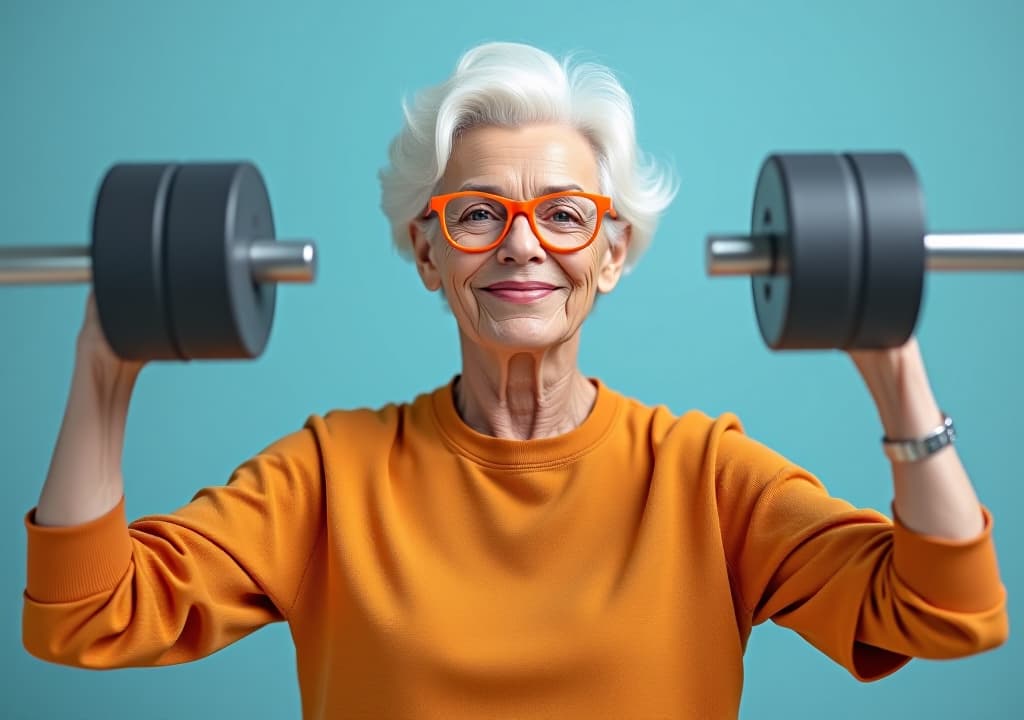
457 271
450 264
582 269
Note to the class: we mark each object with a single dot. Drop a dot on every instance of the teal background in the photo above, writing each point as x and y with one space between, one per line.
311 92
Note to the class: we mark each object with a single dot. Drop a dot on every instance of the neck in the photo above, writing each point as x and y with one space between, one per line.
523 395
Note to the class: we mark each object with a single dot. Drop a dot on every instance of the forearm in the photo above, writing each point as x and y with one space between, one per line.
84 480
933 496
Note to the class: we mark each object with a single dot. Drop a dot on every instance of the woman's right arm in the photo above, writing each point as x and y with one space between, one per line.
84 481
167 588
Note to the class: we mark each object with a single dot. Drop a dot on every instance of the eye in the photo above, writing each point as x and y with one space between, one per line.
478 211
563 214
478 214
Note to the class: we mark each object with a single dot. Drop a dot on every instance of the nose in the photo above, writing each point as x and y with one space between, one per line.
520 246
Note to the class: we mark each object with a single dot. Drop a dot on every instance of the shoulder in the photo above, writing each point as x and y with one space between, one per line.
687 426
346 437
367 423
701 440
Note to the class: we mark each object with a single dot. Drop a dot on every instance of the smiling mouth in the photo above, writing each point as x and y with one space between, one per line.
520 292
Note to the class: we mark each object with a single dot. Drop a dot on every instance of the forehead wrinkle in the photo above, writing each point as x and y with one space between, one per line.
499 190
526 159
522 184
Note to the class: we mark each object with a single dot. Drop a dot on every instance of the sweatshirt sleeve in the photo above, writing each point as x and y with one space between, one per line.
176 587
864 589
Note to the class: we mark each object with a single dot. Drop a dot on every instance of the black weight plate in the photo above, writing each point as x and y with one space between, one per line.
127 260
216 211
810 206
894 228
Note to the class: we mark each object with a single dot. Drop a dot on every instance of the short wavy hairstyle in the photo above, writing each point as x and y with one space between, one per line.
510 85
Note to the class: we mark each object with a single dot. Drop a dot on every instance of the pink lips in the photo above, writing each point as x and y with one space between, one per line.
520 292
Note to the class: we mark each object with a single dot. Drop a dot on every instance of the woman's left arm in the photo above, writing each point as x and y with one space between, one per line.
933 496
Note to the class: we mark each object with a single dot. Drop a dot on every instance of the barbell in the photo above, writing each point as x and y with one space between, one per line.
183 261
838 250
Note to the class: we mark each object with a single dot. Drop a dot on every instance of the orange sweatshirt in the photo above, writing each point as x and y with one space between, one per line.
428 571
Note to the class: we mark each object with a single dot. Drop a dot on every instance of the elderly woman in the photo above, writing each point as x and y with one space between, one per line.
523 541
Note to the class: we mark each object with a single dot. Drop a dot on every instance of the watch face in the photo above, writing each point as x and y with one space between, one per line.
910 450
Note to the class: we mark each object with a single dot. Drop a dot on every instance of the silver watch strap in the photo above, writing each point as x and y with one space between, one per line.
920 448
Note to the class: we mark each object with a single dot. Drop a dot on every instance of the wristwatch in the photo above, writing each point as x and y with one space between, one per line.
920 448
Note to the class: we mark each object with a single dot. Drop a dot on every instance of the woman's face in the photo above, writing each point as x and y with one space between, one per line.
484 289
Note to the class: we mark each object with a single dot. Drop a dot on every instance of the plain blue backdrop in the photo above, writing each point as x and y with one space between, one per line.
311 92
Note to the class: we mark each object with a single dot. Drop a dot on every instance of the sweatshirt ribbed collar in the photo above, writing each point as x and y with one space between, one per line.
525 454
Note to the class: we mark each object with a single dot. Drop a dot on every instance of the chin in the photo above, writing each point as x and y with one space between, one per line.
526 334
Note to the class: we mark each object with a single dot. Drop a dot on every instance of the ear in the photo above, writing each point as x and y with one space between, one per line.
614 261
423 251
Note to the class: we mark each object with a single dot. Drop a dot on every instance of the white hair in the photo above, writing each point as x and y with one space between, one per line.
512 84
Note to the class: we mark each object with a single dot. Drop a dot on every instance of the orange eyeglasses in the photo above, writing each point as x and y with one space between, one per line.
563 222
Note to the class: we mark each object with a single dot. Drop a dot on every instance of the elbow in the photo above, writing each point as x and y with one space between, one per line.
70 652
997 635
72 639
981 635
49 649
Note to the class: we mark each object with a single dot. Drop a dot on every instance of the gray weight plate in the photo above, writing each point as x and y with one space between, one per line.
127 260
894 227
810 206
216 211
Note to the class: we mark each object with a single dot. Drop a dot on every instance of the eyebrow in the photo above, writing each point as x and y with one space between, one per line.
495 190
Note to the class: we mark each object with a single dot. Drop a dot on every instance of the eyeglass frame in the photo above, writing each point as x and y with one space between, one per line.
514 208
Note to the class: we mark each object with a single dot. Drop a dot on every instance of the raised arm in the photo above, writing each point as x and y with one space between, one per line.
84 480
168 588
933 496
869 591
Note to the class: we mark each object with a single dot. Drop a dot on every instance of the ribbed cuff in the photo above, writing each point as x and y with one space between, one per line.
70 563
961 576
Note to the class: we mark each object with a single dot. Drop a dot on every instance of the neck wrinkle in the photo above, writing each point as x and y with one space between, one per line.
523 395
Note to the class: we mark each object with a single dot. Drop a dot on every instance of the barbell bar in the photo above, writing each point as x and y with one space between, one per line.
183 261
838 250
950 252
287 261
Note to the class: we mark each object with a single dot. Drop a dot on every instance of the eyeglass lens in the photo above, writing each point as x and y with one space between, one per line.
566 221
